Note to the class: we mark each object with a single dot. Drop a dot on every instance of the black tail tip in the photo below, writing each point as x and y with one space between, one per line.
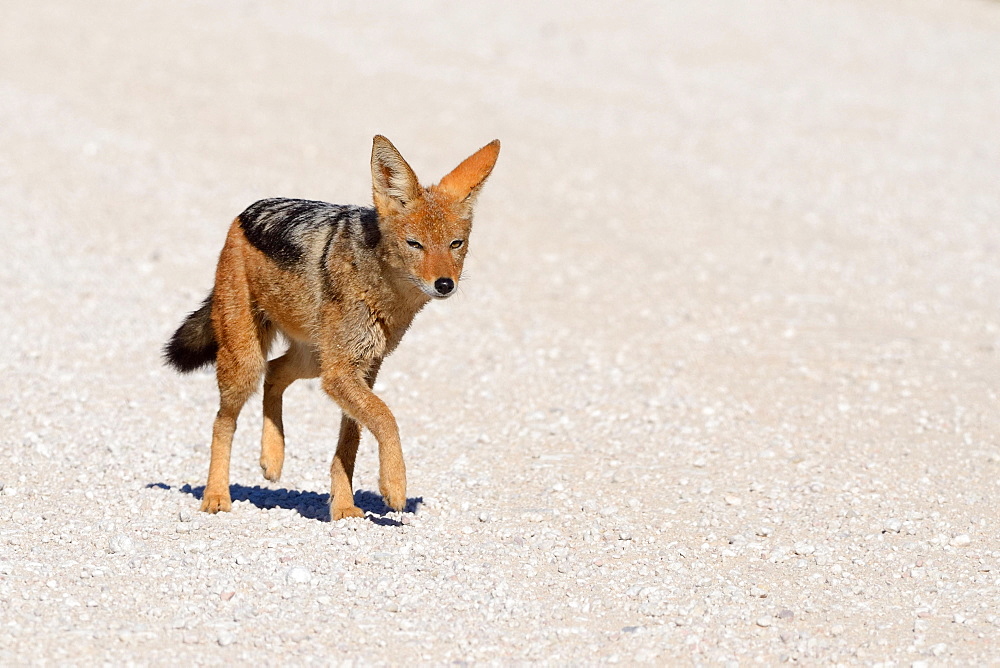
185 359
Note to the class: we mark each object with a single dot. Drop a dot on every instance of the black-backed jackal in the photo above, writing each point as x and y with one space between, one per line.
342 284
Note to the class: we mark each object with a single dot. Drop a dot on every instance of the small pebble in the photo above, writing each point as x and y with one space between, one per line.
121 544
961 540
297 575
764 621
892 525
197 547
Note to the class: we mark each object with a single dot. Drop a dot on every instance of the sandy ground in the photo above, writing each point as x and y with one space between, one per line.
720 385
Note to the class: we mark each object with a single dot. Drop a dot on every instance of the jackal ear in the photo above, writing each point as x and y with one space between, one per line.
394 185
464 182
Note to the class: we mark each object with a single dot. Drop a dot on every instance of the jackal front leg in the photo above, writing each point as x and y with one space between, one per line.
359 402
342 467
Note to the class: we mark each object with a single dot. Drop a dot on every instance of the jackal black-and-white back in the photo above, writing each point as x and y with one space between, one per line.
292 232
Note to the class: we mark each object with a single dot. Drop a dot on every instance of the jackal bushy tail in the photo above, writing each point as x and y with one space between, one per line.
193 345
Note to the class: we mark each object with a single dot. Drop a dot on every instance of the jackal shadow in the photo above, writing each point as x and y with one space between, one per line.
311 505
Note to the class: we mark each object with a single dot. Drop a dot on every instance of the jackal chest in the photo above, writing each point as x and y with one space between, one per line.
367 335
372 334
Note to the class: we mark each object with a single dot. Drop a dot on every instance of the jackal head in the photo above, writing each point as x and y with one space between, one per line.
425 231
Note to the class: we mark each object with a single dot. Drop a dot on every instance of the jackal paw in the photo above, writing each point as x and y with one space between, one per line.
393 492
271 467
349 511
214 502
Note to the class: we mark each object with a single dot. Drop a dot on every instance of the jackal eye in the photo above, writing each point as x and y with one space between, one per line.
413 243
457 243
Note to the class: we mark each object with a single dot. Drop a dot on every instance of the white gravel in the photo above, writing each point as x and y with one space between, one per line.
720 386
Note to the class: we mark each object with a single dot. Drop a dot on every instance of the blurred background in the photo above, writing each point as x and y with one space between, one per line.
682 185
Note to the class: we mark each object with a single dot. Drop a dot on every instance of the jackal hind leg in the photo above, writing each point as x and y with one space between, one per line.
238 378
298 362
244 341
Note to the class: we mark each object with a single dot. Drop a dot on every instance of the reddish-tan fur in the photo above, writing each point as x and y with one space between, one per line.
340 334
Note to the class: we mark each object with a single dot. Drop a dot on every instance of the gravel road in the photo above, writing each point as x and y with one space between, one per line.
719 387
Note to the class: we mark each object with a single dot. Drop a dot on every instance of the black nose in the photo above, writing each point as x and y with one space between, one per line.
444 285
